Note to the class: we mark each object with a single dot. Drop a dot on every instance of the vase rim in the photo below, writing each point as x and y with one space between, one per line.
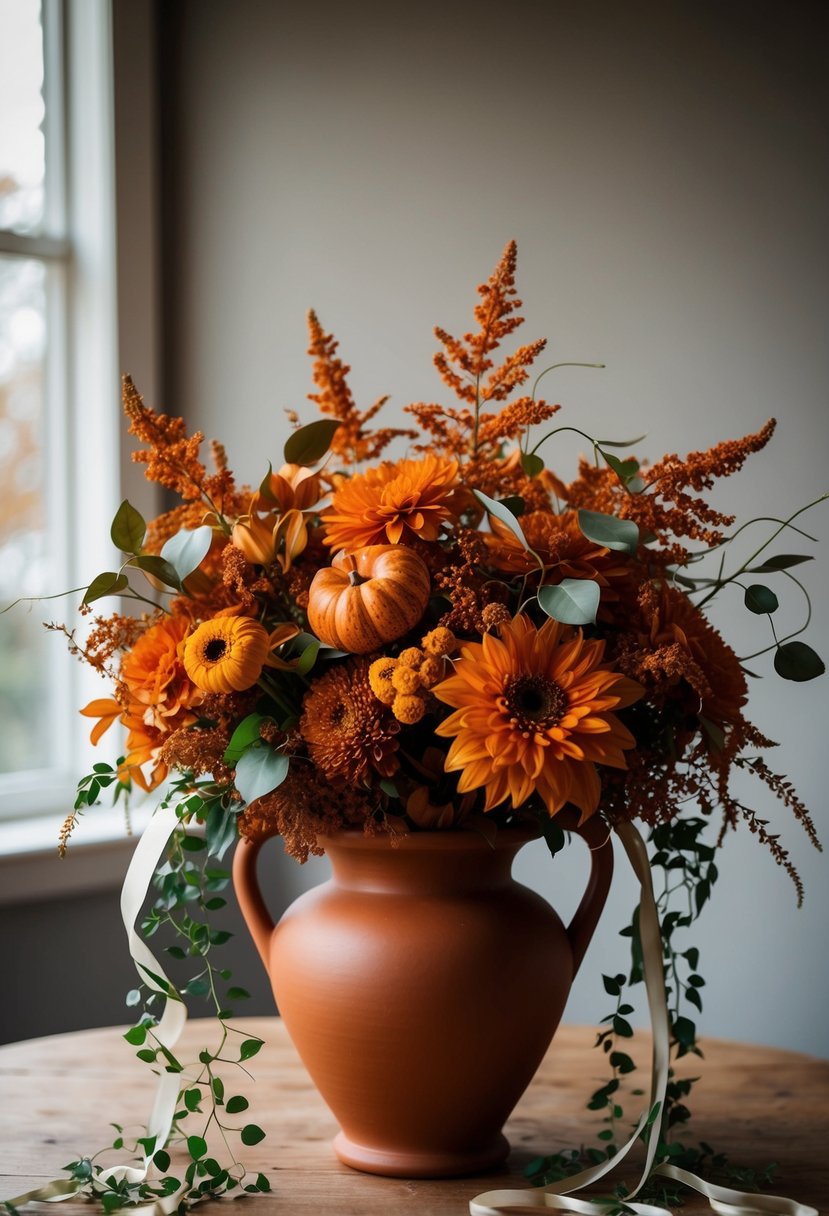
447 840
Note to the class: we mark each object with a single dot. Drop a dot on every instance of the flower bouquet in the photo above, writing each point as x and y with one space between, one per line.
456 640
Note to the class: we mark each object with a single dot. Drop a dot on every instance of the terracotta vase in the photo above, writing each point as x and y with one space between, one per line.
421 986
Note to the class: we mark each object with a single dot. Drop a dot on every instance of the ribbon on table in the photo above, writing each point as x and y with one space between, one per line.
558 1196
142 867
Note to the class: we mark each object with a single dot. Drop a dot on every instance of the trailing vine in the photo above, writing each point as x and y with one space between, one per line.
209 1116
685 871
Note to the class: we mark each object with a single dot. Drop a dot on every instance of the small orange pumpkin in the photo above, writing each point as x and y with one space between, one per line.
369 597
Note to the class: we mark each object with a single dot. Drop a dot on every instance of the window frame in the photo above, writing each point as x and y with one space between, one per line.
77 246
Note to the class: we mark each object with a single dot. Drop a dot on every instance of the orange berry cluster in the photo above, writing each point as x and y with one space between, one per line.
403 683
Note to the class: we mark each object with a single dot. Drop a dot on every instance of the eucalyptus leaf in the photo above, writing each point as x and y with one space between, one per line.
797 661
187 549
626 470
619 443
504 514
259 771
128 528
108 583
573 601
246 733
781 561
513 503
531 464
760 599
621 535
310 443
158 568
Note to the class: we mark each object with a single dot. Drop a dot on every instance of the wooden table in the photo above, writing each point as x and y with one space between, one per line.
58 1096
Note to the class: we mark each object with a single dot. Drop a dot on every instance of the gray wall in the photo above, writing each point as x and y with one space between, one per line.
663 168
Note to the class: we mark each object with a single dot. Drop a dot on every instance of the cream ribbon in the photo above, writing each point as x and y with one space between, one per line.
558 1196
137 883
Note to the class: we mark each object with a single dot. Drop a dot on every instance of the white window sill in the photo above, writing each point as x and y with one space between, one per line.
96 860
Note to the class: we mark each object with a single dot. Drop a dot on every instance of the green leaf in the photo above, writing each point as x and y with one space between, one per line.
263 1183
622 1028
187 550
161 1160
621 535
198 986
196 1147
147 1055
237 994
573 601
513 503
246 733
504 514
619 443
627 471
622 1062
612 986
309 655
236 1105
158 568
108 583
251 1134
553 834
220 829
531 464
694 998
192 1099
685 1032
128 529
249 1048
715 734
310 443
136 1035
259 771
760 599
781 561
797 661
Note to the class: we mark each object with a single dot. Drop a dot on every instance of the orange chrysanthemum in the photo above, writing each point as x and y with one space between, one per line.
350 734
393 503
533 715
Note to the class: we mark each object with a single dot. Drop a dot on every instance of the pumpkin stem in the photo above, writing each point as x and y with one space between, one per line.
354 576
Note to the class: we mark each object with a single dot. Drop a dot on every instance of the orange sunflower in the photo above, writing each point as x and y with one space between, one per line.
393 503
533 715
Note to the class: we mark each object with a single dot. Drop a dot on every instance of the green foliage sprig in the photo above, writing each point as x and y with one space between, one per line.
189 886
685 871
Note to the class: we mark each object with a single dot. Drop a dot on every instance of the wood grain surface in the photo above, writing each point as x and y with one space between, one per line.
58 1096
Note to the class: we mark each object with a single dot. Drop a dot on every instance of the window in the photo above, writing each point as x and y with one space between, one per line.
58 375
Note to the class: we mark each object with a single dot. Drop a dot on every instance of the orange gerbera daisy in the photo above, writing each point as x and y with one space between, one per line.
393 503
532 715
226 653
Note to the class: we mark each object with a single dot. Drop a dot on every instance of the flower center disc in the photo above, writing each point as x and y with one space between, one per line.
534 702
215 649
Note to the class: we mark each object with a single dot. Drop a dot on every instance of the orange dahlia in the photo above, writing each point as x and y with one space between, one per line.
155 675
533 715
393 503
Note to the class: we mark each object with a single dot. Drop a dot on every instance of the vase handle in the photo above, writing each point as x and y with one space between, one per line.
597 836
253 907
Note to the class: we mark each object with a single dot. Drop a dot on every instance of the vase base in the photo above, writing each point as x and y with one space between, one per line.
436 1164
